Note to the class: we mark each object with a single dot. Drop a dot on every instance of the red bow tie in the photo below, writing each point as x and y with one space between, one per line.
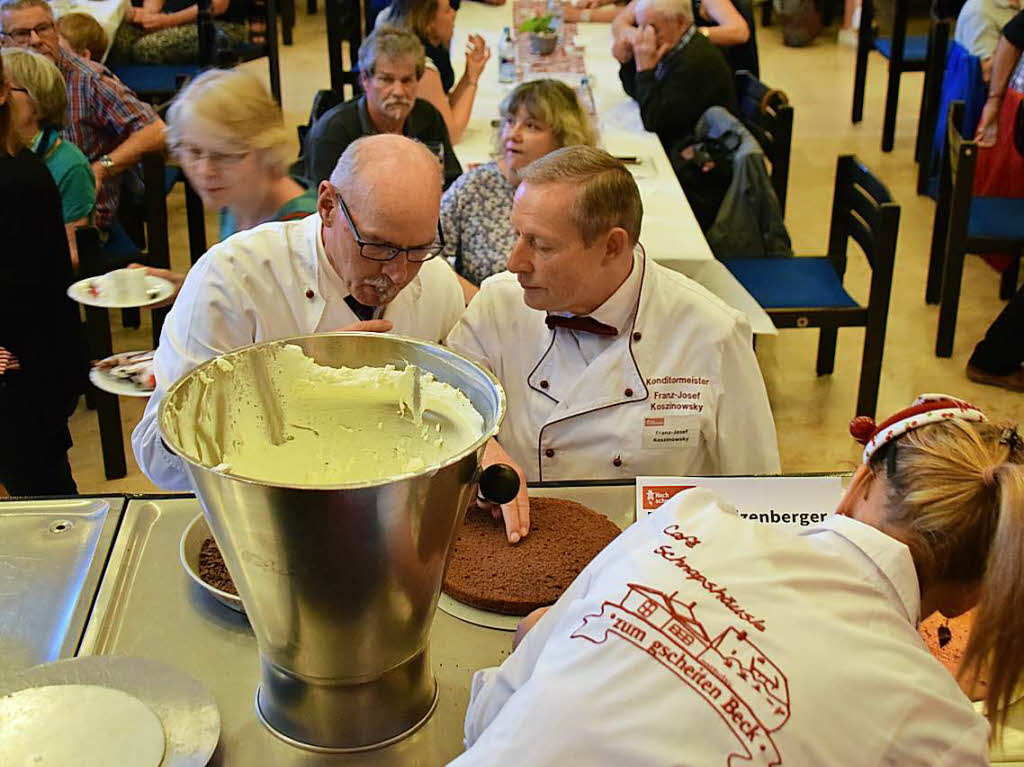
585 324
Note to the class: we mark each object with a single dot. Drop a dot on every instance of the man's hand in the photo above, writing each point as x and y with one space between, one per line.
647 51
988 126
367 326
149 20
623 44
517 511
526 624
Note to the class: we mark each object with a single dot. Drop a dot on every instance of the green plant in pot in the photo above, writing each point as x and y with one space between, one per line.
543 35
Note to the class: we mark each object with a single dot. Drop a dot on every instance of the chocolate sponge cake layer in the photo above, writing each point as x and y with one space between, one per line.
486 572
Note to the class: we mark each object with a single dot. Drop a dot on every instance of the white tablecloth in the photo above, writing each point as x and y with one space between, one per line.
109 13
670 232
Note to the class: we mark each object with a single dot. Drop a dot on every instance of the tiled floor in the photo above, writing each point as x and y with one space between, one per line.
811 413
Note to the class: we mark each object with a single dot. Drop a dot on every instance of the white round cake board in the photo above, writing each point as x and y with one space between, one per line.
474 615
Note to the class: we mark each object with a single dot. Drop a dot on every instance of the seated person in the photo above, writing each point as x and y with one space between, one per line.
978 27
673 73
39 108
618 366
433 21
230 138
537 117
730 27
365 260
166 32
80 33
390 66
42 362
701 638
105 119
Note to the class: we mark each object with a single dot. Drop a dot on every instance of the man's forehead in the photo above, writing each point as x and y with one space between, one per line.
26 16
395 66
541 208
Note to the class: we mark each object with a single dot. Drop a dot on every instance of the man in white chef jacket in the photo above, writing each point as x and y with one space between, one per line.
323 273
700 638
613 365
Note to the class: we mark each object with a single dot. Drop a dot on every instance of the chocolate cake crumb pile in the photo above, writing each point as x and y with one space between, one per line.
486 572
212 568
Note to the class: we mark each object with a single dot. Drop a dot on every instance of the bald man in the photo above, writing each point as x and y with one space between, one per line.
364 261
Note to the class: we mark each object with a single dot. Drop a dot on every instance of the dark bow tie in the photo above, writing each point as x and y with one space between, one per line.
584 324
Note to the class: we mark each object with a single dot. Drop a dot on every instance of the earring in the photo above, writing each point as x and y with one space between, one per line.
944 634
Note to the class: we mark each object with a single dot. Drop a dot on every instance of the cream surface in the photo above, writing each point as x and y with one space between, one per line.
340 425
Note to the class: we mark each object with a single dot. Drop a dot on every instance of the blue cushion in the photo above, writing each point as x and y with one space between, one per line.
171 177
998 217
120 247
915 47
791 283
155 78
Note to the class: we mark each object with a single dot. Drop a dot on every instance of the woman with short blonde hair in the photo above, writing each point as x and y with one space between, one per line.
39 106
537 117
230 138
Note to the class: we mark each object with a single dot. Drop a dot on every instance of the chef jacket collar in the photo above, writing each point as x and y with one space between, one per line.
890 556
620 307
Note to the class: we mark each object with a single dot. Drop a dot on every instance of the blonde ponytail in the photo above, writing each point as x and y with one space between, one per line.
955 494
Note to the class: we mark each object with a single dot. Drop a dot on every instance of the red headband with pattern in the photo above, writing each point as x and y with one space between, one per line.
928 408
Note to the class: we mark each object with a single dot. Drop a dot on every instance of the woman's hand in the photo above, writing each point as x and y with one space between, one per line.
526 624
988 126
477 54
175 278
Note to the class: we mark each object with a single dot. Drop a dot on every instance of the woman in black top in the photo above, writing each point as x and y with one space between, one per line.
42 366
433 21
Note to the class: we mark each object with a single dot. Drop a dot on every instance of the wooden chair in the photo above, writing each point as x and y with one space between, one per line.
346 24
808 292
768 115
966 224
939 33
905 54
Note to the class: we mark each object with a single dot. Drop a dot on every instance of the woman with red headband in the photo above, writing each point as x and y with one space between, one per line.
702 638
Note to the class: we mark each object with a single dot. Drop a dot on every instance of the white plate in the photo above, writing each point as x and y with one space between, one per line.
191 544
122 387
486 618
185 708
90 292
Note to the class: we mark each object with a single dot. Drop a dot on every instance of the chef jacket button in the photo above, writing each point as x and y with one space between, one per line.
543 384
616 462
628 392
637 336
310 293
549 453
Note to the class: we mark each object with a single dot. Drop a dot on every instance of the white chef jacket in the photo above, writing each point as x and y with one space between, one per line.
270 282
677 392
699 638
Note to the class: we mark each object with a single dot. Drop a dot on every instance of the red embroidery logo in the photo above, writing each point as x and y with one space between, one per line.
740 684
654 422
656 495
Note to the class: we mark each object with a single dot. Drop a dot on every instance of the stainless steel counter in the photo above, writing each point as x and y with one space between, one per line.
148 607
52 554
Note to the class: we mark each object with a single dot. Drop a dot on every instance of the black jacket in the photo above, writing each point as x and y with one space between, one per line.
336 128
687 81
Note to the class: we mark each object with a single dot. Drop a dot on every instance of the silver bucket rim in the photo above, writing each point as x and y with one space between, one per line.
434 348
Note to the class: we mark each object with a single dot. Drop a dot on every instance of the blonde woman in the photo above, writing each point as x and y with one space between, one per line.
709 639
39 108
231 140
537 117
433 21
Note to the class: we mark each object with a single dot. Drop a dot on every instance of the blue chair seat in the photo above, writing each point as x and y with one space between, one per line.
791 283
155 79
915 48
997 217
120 247
172 175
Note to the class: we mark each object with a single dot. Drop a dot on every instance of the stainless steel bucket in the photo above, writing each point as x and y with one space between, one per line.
340 583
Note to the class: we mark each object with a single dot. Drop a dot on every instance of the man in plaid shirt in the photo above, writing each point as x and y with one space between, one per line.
105 119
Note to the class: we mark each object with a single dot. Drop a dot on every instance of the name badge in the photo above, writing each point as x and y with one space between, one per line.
670 432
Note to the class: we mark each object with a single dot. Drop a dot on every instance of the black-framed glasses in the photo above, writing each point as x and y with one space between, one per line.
24 35
385 251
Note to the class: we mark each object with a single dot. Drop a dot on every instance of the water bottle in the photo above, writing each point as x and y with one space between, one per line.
586 96
507 58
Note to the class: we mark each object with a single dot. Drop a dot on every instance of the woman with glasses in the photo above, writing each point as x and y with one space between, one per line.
537 117
39 109
42 365
230 138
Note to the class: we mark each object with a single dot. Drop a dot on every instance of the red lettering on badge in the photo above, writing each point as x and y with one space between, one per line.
654 422
656 495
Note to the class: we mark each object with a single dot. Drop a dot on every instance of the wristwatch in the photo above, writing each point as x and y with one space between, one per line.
107 163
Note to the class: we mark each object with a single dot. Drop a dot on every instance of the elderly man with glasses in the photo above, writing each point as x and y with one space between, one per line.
105 119
364 261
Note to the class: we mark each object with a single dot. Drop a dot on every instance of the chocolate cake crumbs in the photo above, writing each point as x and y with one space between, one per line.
485 571
212 568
